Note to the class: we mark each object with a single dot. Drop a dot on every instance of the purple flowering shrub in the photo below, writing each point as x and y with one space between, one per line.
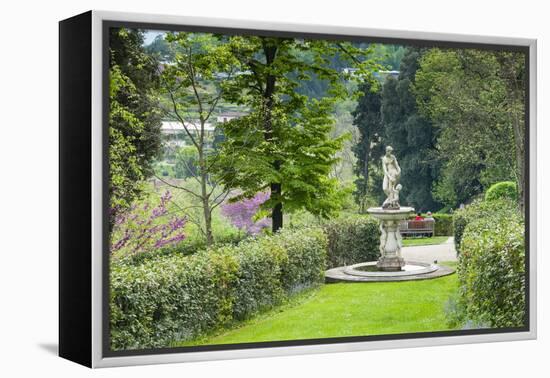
143 228
241 213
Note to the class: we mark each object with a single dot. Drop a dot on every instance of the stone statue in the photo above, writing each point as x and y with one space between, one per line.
390 185
390 214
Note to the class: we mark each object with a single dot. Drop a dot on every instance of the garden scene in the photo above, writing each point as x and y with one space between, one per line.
272 189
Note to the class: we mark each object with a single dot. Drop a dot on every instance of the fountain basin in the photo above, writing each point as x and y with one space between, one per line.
411 271
391 214
410 268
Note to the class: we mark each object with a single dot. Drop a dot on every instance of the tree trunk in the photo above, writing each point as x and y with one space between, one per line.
277 211
366 168
204 190
207 212
270 52
520 160
363 199
516 106
208 224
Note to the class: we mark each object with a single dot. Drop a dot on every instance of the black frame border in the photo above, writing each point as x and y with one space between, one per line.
75 192
108 24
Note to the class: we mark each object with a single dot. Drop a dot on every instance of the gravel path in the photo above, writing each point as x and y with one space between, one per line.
429 253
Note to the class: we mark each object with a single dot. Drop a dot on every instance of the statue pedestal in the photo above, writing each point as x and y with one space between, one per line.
390 237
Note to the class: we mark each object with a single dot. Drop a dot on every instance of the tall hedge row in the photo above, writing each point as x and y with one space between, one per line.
481 209
491 269
171 298
443 224
352 240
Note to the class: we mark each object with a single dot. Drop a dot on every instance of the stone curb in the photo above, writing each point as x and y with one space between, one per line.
337 275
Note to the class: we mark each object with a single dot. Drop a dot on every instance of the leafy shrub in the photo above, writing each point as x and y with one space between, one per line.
187 247
164 169
491 271
502 190
178 298
352 240
480 209
460 220
443 224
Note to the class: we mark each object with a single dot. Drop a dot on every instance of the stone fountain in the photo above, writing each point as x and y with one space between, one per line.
390 215
390 266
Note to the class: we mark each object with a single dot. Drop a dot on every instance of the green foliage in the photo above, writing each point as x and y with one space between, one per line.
480 209
193 87
389 56
443 224
368 150
460 220
175 298
284 143
134 124
476 98
500 190
125 170
301 159
164 169
491 271
412 135
160 48
189 246
186 162
352 240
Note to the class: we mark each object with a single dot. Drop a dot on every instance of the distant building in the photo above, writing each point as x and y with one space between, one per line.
384 74
378 74
228 116
174 133
175 127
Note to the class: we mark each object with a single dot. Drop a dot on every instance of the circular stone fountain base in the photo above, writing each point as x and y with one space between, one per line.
367 272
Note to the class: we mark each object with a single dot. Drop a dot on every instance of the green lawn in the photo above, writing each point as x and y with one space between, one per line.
409 242
350 309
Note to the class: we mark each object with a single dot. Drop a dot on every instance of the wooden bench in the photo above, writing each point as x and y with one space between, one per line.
417 227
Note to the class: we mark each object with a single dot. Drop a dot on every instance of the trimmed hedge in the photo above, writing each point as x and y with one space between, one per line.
352 240
480 209
178 298
491 271
443 224
186 247
502 190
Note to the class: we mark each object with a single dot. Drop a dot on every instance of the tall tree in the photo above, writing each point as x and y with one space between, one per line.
477 99
194 88
283 144
411 134
369 149
134 125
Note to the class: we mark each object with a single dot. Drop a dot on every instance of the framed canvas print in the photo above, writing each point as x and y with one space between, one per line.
233 189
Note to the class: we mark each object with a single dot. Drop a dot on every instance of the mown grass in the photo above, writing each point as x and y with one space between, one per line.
412 242
346 309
